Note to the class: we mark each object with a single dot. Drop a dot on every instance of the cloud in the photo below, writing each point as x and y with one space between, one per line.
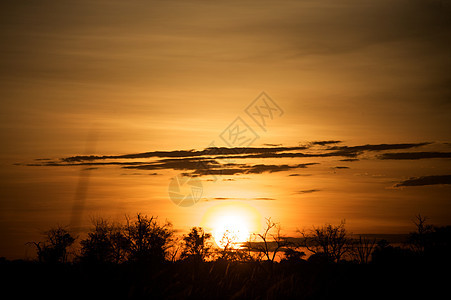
308 191
378 147
296 174
208 161
176 164
425 180
212 151
323 143
186 159
90 168
294 154
344 151
414 155
258 169
350 159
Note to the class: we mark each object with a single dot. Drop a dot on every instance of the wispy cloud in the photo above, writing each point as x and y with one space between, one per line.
415 155
296 174
350 159
211 151
258 169
380 147
251 152
323 143
425 180
308 191
210 161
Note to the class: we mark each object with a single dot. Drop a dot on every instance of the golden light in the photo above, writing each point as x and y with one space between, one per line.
230 229
233 221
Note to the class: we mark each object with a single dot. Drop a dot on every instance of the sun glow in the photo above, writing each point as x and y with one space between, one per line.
232 223
230 229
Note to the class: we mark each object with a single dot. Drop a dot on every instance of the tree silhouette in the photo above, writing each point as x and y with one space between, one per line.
330 241
149 241
97 246
105 243
362 249
270 242
120 245
54 248
226 245
196 245
232 250
430 242
418 240
173 252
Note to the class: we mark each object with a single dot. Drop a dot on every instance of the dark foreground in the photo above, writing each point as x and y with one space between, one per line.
223 280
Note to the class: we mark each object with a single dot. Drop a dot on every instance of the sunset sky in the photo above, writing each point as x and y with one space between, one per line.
108 101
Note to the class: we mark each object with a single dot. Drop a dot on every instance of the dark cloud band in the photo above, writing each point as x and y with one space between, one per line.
425 180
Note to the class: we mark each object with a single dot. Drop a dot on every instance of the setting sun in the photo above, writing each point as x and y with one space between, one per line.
230 229
225 149
232 223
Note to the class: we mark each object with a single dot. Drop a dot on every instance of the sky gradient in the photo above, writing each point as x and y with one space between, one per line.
362 132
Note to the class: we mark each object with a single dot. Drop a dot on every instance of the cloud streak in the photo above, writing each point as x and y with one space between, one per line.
308 191
211 151
209 161
253 152
425 180
415 155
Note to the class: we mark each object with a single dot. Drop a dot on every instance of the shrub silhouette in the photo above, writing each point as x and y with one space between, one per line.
386 254
293 255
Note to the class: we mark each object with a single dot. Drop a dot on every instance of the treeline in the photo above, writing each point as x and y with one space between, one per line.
144 258
146 240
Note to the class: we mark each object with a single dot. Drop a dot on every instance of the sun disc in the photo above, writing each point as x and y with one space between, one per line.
232 223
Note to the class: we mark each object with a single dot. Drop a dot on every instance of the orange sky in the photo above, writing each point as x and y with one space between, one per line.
142 76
